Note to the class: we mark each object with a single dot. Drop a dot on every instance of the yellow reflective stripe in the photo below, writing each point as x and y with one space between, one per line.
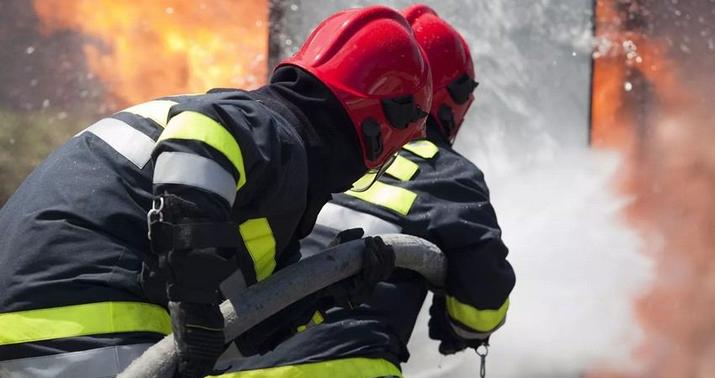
478 320
343 368
157 110
82 320
422 148
196 126
316 319
392 197
261 244
402 168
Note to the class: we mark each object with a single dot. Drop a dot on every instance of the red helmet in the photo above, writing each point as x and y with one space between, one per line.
370 60
452 67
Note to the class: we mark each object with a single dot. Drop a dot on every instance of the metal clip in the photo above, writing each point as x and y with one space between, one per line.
155 214
482 353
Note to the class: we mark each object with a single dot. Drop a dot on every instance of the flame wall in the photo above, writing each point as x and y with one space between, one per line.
66 63
652 100
146 49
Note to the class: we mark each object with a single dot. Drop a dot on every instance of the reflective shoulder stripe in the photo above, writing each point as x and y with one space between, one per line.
82 320
157 110
129 142
389 196
91 363
341 218
196 126
422 148
194 170
261 245
402 168
343 368
478 320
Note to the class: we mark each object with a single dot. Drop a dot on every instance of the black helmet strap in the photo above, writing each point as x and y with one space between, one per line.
372 137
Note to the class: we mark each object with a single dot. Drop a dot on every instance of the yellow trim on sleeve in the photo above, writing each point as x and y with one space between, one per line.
196 126
261 245
478 320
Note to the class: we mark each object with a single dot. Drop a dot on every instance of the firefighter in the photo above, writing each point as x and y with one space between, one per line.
432 192
152 208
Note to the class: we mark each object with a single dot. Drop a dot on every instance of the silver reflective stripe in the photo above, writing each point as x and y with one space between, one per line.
194 170
471 335
128 141
157 110
91 363
341 218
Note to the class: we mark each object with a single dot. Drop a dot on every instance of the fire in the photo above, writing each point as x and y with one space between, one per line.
642 106
146 49
630 67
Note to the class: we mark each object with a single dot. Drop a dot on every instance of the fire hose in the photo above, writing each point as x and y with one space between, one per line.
260 301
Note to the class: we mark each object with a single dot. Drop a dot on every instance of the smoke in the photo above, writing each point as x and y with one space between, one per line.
670 173
675 178
577 259
578 271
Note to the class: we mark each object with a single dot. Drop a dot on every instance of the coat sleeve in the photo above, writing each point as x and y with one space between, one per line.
209 155
479 277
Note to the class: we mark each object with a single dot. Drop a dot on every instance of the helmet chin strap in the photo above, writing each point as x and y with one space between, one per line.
446 119
372 137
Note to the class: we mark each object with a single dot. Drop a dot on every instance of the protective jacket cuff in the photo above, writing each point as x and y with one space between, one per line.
475 320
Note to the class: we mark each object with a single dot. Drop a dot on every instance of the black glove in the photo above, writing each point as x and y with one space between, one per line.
182 240
198 335
378 262
441 330
193 274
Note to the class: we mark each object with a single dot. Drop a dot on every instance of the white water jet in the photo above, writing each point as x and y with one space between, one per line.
577 269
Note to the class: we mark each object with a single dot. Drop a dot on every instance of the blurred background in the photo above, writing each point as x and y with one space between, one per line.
592 122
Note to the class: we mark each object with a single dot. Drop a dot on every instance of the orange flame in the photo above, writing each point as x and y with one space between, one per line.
146 49
640 105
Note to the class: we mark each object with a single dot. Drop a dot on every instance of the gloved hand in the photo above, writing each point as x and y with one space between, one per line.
198 335
193 280
378 262
441 330
182 239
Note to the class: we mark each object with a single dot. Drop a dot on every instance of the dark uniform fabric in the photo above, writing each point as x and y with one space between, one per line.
75 232
452 210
